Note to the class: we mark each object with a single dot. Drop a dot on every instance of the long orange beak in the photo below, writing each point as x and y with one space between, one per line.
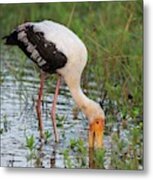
96 130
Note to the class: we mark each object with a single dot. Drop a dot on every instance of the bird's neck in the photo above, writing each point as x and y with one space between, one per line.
79 97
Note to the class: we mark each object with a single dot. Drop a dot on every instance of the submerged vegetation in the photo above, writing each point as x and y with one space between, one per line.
113 34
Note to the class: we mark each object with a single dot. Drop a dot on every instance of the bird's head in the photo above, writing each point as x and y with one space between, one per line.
96 117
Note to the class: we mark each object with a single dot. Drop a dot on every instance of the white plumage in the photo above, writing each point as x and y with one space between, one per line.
61 46
67 42
60 35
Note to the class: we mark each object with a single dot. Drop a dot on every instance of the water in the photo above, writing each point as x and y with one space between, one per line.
19 121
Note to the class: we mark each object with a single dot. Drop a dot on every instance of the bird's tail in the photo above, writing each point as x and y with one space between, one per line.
11 39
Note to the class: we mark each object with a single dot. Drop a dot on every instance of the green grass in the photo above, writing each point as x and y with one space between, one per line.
75 155
113 34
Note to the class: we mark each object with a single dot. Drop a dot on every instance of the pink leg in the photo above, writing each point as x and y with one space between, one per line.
53 110
38 105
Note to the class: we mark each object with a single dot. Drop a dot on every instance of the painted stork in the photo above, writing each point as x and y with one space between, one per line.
56 49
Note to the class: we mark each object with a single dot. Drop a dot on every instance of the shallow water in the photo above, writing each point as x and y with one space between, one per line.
19 120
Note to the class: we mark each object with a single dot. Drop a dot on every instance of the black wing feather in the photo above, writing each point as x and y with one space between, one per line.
53 58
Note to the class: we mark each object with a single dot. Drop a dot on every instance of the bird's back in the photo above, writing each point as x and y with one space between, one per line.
50 45
66 40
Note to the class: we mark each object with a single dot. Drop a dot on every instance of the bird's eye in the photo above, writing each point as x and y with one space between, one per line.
97 122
